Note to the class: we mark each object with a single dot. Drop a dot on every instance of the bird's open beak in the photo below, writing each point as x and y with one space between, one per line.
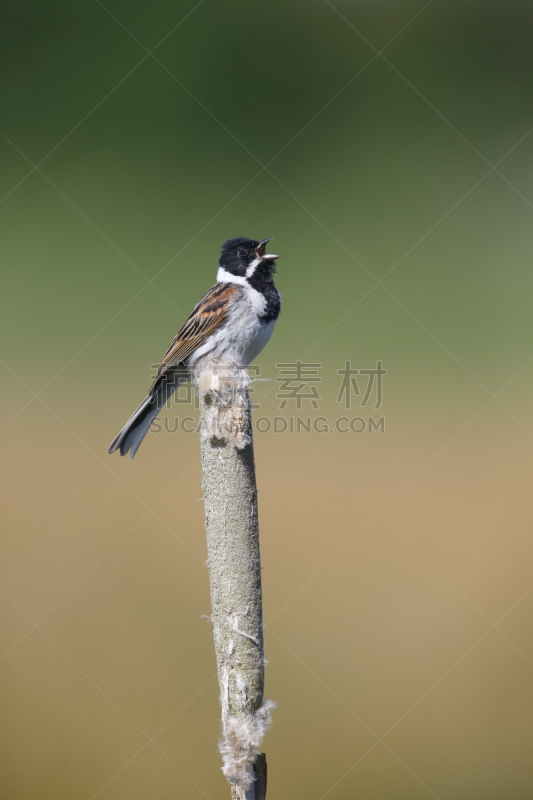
261 251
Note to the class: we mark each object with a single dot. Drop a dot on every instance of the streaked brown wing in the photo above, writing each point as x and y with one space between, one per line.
207 316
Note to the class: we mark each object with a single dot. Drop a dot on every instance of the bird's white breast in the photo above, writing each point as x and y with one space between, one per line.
243 335
262 336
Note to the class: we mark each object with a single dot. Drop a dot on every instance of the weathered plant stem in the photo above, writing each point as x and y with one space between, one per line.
232 529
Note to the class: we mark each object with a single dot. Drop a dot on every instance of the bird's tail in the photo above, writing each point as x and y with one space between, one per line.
138 425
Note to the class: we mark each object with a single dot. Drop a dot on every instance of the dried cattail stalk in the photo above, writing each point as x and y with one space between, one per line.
230 496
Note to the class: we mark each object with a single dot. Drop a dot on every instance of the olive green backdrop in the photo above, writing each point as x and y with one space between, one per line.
388 148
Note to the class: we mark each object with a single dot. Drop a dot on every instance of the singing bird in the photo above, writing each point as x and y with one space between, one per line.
230 325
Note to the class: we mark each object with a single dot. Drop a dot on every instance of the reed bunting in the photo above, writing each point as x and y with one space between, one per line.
230 325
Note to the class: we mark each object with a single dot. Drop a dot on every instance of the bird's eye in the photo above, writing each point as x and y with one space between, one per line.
241 253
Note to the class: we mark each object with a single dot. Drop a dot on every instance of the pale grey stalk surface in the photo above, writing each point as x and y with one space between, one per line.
232 528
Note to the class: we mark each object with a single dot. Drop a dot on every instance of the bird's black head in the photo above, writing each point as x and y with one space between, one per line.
244 257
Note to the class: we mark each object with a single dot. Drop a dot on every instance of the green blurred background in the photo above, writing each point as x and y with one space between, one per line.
397 566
